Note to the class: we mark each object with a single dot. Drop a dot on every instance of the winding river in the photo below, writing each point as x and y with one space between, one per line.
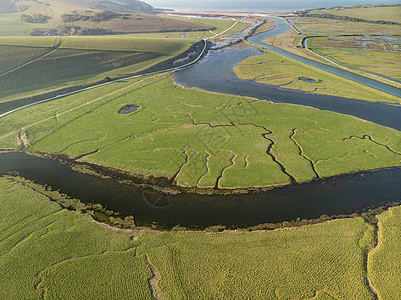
223 79
340 195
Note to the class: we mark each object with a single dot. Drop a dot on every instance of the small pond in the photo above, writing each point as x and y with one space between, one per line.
307 79
128 109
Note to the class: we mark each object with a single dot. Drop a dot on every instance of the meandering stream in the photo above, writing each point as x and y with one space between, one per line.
222 79
340 195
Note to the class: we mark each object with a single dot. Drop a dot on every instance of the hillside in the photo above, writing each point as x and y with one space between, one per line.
64 62
123 6
86 17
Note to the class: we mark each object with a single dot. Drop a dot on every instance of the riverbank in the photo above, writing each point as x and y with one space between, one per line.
283 27
111 197
67 244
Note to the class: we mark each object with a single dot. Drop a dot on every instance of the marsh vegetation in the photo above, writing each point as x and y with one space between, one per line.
163 137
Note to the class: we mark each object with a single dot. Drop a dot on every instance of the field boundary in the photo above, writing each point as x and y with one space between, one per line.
109 82
45 53
305 45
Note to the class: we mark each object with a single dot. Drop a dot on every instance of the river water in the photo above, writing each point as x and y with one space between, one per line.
223 79
342 195
283 27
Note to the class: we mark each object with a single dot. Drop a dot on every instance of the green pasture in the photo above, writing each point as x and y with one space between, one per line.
107 43
382 62
51 253
319 26
218 27
141 23
33 41
323 261
221 25
380 54
274 69
13 56
11 25
126 43
38 237
26 68
213 134
390 13
385 259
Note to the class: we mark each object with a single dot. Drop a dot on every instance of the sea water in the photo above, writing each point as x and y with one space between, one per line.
259 5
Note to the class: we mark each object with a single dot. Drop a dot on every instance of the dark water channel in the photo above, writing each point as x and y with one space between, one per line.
283 27
341 195
345 194
222 79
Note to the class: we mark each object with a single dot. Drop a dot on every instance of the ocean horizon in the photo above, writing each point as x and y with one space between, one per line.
259 5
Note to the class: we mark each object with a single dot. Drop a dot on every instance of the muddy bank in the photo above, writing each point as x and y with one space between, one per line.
157 203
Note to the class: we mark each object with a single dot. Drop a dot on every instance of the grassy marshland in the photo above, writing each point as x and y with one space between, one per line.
274 69
49 252
219 140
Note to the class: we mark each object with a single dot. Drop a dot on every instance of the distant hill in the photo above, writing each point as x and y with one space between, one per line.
128 6
87 17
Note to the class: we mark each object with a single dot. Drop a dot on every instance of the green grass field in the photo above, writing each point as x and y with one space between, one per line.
49 252
282 264
218 25
222 25
390 13
68 61
378 56
27 69
385 259
374 48
318 26
274 69
212 135
38 237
